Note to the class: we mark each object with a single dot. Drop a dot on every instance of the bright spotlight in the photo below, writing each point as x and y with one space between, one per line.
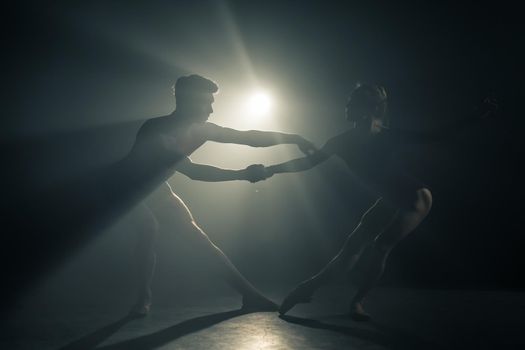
259 104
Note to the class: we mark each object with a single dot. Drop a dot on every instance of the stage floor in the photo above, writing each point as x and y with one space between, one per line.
402 319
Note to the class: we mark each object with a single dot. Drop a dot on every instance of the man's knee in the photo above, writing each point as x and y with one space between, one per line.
147 233
147 225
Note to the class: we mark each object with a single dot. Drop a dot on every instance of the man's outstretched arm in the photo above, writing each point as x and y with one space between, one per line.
208 173
253 138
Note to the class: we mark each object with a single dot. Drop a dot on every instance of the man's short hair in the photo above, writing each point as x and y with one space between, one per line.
192 85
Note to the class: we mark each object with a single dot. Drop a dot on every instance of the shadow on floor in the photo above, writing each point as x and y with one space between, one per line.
380 335
91 340
157 339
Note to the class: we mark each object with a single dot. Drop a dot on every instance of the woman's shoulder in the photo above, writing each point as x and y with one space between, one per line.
345 137
340 141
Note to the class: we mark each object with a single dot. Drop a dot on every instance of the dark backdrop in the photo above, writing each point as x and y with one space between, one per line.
79 79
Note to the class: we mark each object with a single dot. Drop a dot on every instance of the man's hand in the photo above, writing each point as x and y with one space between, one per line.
306 146
256 172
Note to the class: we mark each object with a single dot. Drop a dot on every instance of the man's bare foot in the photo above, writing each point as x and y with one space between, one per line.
357 312
301 294
140 309
143 305
258 302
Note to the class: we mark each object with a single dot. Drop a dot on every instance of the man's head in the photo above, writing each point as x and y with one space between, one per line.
194 97
367 105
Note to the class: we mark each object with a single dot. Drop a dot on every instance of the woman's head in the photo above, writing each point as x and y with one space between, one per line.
367 104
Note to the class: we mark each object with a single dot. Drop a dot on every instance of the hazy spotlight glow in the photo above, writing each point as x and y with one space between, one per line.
259 104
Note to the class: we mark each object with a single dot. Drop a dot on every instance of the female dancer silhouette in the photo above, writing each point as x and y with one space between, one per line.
403 201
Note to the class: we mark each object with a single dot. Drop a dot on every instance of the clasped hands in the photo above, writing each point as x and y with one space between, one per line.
258 172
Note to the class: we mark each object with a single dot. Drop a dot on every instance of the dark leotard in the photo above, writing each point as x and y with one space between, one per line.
370 158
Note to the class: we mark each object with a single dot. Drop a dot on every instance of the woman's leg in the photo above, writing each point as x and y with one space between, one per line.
373 221
218 261
405 221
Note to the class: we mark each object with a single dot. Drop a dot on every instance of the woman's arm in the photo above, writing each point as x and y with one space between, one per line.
308 162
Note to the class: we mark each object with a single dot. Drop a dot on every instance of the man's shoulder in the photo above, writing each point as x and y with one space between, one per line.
210 126
155 124
205 129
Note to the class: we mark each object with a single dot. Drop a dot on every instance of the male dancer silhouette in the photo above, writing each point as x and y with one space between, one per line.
403 201
162 147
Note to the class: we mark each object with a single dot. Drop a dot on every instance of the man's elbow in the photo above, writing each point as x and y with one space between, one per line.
254 144
256 138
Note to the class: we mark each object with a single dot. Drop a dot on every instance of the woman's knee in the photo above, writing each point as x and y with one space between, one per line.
423 202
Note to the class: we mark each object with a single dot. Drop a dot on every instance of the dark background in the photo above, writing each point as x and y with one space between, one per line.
80 78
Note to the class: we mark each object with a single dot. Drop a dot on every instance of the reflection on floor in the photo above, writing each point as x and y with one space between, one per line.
403 319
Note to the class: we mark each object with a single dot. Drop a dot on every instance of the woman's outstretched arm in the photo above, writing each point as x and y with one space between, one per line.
305 163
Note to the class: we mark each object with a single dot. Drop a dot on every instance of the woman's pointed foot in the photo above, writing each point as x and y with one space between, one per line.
301 294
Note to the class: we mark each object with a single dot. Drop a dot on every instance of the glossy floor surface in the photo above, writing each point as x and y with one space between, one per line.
402 319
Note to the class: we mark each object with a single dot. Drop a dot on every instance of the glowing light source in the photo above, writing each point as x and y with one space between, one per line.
259 104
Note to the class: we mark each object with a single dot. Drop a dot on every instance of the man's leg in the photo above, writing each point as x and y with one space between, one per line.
145 258
405 221
373 221
252 298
